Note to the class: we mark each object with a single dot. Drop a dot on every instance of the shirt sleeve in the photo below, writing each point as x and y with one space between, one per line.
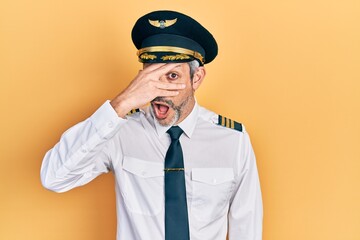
246 211
81 154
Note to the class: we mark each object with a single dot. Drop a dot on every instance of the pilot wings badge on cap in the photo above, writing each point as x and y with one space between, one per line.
162 23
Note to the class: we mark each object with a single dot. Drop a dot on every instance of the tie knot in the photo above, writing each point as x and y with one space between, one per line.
175 132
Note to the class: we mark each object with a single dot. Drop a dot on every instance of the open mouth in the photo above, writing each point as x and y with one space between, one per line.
161 110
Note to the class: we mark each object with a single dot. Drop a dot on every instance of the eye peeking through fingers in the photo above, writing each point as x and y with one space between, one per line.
172 76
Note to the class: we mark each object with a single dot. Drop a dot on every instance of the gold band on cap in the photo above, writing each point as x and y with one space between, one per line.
194 54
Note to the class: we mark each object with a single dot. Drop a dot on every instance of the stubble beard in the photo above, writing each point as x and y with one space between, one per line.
178 110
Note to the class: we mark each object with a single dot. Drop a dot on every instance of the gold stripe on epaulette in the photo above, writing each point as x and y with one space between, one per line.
132 111
227 122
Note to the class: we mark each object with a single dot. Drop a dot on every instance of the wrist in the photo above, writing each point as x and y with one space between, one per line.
120 106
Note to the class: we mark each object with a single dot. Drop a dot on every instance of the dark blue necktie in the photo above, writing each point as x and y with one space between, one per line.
176 215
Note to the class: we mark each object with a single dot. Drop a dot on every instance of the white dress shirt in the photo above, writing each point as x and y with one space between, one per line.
222 184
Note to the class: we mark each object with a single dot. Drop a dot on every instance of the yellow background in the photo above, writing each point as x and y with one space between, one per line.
289 70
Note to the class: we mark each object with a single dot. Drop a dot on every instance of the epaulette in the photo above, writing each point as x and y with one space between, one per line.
133 111
227 122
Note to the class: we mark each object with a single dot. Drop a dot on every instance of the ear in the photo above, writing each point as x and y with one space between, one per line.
198 77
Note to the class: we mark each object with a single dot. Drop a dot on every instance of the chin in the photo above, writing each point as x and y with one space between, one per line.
169 120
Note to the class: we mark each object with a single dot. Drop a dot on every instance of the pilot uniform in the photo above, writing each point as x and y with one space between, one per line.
222 185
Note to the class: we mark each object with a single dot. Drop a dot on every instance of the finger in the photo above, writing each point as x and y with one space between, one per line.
164 69
166 93
169 86
153 66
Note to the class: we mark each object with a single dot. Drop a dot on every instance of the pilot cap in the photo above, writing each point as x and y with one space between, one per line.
169 36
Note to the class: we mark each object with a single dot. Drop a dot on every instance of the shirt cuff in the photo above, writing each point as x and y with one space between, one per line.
107 117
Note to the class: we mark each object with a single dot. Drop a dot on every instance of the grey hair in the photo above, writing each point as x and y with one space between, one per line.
194 64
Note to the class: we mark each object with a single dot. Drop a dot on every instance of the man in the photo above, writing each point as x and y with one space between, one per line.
182 172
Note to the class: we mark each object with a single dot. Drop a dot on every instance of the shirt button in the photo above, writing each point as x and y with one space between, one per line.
110 124
214 180
83 150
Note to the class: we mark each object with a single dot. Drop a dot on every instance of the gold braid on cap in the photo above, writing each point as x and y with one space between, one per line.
192 53
175 57
148 56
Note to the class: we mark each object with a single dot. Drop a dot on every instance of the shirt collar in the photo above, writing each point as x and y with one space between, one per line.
187 125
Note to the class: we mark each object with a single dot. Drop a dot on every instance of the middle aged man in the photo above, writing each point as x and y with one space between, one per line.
182 172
